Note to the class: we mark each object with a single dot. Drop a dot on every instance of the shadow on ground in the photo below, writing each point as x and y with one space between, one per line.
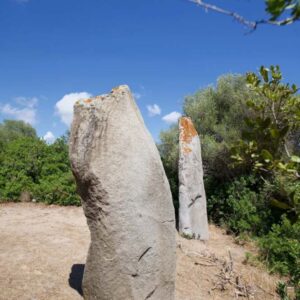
75 277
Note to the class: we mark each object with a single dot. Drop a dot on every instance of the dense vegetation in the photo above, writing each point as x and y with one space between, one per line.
249 129
29 165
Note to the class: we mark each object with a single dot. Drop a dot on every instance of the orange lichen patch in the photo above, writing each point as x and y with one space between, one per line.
87 100
186 150
187 130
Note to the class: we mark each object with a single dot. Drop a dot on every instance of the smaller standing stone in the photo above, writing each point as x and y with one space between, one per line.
192 198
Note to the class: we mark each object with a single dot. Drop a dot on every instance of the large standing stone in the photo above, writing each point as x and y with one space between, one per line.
126 199
192 198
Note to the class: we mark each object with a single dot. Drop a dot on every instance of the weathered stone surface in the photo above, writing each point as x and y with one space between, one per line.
192 198
126 199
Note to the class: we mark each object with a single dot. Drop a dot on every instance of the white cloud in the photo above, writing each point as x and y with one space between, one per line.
153 110
49 137
137 96
28 102
25 110
64 107
171 117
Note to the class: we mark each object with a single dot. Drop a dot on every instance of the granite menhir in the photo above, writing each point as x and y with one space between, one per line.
126 199
192 198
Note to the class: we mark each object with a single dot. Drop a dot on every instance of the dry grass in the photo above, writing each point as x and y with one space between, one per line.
43 251
216 270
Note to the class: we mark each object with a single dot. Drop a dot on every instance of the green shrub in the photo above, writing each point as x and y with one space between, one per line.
281 290
29 164
283 194
245 217
218 113
280 248
10 190
21 164
238 206
59 190
11 130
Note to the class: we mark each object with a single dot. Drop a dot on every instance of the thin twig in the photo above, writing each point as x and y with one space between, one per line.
237 17
264 290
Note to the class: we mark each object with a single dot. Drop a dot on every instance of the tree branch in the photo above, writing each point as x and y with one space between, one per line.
240 19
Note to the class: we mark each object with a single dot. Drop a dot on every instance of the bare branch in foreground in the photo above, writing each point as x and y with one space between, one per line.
240 19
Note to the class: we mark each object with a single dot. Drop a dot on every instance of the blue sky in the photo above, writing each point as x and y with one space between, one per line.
52 51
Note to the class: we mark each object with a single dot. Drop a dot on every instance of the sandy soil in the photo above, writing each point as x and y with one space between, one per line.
43 251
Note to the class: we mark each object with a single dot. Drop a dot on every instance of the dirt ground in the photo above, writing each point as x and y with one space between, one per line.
43 251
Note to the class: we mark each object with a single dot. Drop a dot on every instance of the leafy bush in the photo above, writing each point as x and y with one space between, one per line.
218 114
282 291
240 207
280 248
11 130
264 147
57 190
21 164
28 164
283 194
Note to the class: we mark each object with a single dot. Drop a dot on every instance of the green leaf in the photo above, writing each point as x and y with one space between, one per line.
264 73
250 103
266 155
258 165
274 133
275 8
282 166
295 159
236 157
294 88
265 123
279 204
284 131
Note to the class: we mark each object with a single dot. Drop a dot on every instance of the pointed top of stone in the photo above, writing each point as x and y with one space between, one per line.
118 90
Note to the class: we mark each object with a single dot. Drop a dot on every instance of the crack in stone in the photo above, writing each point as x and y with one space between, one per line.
194 200
151 294
144 253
